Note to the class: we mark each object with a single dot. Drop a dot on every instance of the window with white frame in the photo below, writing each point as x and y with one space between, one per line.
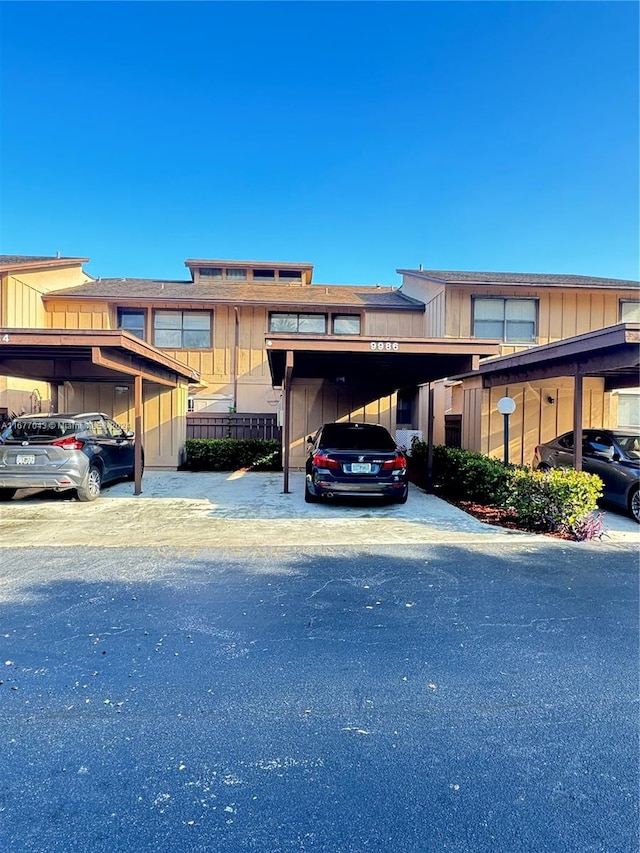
629 311
297 323
505 319
182 329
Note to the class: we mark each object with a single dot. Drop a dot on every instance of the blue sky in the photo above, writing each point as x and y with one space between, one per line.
360 137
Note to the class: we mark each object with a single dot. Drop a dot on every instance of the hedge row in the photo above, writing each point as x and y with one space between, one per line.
559 500
229 454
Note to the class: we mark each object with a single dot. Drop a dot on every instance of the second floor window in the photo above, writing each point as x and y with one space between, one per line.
346 324
132 322
509 320
310 324
182 329
629 312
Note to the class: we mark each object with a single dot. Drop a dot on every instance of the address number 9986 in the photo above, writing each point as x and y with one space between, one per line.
384 345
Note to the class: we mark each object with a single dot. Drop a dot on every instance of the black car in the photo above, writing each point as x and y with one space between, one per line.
355 460
64 451
614 455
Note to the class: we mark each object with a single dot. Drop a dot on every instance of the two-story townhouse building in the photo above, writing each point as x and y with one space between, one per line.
23 282
522 311
258 336
261 336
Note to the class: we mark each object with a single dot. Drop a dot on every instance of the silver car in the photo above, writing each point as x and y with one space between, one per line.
64 451
614 455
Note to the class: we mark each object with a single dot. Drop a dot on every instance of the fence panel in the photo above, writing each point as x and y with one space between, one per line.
453 430
222 425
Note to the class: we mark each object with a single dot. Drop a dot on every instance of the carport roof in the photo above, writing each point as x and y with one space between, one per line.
387 363
59 355
612 353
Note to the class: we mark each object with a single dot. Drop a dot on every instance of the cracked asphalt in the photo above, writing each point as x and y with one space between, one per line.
470 692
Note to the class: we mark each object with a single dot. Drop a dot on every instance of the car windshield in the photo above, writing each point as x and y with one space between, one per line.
630 444
42 429
356 437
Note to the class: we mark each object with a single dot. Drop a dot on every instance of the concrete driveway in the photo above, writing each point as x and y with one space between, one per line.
246 509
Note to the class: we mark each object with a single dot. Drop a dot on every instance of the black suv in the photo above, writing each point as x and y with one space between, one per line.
355 460
64 451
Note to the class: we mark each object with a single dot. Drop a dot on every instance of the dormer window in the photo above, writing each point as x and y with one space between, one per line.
213 273
236 274
264 275
290 275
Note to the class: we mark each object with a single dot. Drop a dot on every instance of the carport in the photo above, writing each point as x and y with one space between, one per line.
90 357
383 364
612 353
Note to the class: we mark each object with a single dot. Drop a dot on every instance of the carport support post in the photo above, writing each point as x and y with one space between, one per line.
577 420
429 483
137 447
287 420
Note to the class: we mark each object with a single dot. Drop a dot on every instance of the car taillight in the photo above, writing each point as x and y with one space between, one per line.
322 461
69 443
536 452
393 464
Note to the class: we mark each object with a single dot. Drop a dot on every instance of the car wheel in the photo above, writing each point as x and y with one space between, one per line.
634 504
309 497
91 490
7 494
543 467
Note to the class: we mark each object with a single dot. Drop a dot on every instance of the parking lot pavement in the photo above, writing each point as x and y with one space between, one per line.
246 508
415 698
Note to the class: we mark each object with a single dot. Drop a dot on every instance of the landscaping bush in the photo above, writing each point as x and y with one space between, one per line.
462 475
557 501
560 500
229 454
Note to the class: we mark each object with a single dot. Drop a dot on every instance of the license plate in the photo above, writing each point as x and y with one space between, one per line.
25 459
361 467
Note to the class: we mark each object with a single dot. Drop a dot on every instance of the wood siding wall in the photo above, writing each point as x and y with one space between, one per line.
315 402
394 324
216 364
535 419
561 313
163 424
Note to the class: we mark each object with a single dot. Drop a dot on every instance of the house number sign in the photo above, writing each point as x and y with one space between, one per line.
384 345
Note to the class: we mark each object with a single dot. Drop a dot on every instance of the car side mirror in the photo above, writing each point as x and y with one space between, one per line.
309 439
129 434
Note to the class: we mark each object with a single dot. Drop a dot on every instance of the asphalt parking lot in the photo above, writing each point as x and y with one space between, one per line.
214 666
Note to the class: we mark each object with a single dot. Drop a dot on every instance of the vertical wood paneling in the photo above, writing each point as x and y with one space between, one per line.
535 420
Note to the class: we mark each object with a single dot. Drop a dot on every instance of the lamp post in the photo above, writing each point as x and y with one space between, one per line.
506 407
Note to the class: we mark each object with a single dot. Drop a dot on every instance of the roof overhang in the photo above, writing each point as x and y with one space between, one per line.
40 264
384 362
56 355
612 353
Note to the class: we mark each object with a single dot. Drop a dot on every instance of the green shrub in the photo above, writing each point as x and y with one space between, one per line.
559 500
229 454
462 475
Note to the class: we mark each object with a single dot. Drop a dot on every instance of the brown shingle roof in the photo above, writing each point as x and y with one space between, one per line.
9 262
157 290
520 278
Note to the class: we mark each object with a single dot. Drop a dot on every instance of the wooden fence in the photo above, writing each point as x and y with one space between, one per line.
203 425
453 430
